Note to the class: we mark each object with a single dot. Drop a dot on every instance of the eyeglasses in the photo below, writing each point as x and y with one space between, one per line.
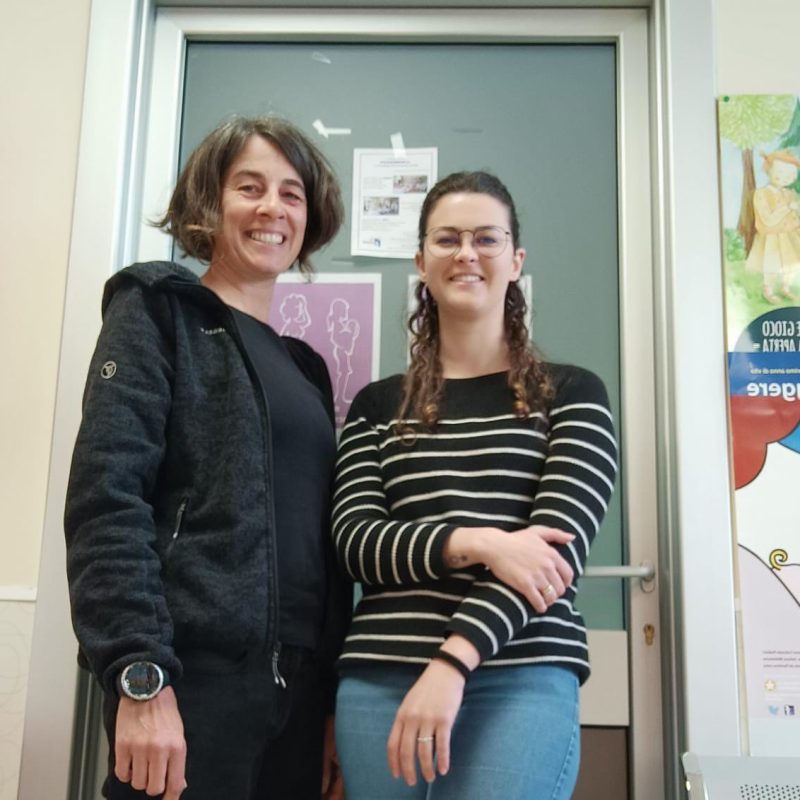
488 240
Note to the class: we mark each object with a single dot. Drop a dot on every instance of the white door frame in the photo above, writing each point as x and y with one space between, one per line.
109 199
605 698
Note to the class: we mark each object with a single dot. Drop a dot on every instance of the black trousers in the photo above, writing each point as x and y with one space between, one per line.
247 738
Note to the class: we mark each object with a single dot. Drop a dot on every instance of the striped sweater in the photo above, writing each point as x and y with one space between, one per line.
395 504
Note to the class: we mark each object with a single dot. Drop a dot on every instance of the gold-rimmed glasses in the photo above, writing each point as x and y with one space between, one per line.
488 240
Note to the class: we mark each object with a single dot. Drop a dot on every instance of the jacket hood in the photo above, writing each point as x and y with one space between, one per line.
150 274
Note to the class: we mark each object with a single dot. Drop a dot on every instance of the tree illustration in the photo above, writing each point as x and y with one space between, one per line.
747 120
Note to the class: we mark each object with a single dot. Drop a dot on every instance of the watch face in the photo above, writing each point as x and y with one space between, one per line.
142 680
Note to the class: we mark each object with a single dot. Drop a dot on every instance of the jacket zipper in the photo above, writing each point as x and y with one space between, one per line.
272 549
272 541
276 673
176 531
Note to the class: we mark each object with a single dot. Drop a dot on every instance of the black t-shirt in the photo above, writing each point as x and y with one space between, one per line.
303 457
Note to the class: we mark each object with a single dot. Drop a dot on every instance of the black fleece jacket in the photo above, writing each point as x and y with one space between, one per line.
170 518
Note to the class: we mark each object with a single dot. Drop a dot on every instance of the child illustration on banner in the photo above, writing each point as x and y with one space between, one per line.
775 253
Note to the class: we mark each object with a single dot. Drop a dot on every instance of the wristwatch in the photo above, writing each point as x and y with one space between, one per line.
142 680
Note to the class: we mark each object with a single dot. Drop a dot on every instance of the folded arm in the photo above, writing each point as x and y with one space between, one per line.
574 489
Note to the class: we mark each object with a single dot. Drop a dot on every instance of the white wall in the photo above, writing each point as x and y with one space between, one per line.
756 44
42 55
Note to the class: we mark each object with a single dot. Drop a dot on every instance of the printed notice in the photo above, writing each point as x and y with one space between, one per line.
389 186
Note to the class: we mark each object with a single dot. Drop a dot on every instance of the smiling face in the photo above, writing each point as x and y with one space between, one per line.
263 214
468 283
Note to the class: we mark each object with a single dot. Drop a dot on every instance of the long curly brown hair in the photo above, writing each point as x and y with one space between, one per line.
423 384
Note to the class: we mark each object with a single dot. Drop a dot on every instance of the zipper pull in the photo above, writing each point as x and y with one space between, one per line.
179 518
276 674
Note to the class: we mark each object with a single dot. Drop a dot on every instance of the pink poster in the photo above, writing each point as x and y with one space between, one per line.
338 314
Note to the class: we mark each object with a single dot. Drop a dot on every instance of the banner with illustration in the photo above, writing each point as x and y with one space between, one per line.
759 168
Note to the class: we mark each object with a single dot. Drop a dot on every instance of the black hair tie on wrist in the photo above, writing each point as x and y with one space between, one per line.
454 661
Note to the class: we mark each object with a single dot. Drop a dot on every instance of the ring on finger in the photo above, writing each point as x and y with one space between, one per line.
548 590
424 739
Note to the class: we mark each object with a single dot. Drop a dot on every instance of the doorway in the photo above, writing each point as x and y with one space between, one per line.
556 104
621 203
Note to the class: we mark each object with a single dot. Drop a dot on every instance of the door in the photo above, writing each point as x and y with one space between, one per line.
555 104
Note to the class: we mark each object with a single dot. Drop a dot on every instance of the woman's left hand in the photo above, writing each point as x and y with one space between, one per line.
423 724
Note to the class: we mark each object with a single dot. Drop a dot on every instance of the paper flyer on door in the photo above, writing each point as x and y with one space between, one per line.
760 190
389 186
338 314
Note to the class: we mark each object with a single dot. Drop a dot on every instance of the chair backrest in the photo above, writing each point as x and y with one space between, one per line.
741 777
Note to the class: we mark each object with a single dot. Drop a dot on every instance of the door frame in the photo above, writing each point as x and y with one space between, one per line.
124 41
621 666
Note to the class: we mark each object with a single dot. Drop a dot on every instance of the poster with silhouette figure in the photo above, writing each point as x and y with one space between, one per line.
760 188
339 316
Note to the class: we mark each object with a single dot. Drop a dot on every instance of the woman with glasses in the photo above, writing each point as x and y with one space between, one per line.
468 492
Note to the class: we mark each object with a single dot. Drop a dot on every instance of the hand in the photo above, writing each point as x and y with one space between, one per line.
332 784
428 709
150 751
526 561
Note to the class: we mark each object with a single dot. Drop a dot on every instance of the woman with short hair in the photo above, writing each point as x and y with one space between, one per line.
202 582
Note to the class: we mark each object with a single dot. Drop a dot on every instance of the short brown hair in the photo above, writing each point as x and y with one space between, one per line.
193 215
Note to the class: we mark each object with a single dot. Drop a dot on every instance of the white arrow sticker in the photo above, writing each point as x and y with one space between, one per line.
320 128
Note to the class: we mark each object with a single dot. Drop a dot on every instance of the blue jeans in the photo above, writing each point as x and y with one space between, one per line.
516 736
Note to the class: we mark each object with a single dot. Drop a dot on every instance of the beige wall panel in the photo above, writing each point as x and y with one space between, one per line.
42 57
756 46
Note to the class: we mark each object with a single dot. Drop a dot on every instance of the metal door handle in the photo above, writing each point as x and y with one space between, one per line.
645 572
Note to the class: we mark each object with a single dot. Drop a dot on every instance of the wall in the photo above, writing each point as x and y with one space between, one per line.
41 86
42 55
756 42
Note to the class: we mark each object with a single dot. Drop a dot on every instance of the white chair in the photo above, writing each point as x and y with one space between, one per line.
741 777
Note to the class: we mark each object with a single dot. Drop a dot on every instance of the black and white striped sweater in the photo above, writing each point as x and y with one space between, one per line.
395 505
